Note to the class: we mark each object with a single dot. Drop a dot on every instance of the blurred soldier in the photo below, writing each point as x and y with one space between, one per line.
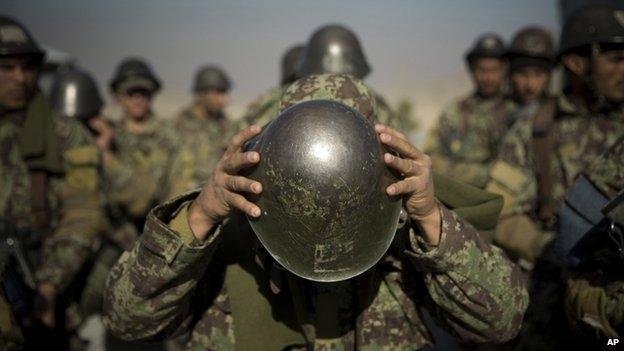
542 156
264 108
330 49
198 266
466 139
49 196
203 129
139 149
531 58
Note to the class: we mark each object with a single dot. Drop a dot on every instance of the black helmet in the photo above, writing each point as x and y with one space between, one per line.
531 46
593 24
488 45
16 40
74 94
290 60
134 72
211 78
334 49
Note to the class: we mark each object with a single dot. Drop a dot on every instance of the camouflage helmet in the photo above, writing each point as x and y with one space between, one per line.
592 24
74 94
488 45
211 78
16 40
134 72
334 49
290 60
531 46
325 212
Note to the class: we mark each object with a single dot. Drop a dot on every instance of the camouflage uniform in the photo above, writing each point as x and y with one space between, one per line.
580 138
201 143
139 174
61 246
228 294
466 139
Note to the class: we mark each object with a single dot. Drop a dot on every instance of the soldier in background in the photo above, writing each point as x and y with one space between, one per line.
138 149
203 128
541 157
531 58
468 133
50 199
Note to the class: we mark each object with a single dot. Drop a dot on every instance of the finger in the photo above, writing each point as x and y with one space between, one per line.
382 128
239 139
405 186
240 160
239 184
403 147
407 167
238 201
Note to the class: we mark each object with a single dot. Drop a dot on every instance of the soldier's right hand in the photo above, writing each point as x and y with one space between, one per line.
222 194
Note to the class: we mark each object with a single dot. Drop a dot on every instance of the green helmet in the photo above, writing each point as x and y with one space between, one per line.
134 72
211 78
325 213
593 24
74 94
488 45
16 40
290 60
334 49
531 46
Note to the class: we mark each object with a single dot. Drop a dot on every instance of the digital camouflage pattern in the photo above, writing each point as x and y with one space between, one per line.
267 106
219 291
201 141
74 198
595 292
467 137
139 174
580 137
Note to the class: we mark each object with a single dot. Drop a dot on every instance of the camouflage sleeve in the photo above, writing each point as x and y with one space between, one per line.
480 295
149 290
82 213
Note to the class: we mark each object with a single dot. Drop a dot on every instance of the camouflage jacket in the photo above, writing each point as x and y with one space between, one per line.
138 176
73 196
201 143
169 284
466 140
579 137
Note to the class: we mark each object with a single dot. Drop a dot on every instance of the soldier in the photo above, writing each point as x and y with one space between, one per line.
531 58
203 127
542 156
50 201
235 296
466 139
139 149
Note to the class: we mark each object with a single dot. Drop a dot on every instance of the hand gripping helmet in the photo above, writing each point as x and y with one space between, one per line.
325 212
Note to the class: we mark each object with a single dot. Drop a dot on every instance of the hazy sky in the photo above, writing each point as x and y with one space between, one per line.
415 47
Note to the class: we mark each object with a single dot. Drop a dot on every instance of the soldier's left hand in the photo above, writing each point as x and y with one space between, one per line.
416 187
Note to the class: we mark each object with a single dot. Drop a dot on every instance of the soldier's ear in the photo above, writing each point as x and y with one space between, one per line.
576 64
